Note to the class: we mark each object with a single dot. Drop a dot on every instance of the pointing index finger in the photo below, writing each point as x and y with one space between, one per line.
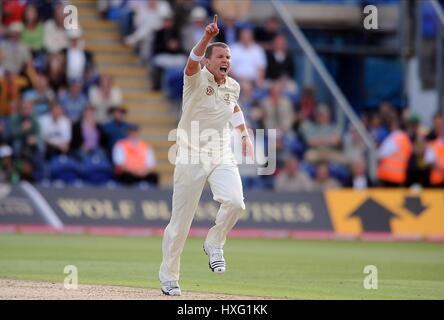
215 19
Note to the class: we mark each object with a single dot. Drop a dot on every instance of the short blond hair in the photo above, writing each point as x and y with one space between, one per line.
210 47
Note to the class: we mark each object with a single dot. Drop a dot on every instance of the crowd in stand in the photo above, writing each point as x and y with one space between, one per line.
67 104
312 152
60 120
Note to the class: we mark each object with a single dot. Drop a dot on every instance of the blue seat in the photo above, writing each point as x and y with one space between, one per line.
308 168
65 169
97 170
173 83
339 172
294 144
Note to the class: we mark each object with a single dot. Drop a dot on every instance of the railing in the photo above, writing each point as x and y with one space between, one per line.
329 82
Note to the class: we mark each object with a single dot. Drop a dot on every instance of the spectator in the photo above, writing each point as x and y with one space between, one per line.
265 35
74 101
438 123
78 60
125 17
418 171
148 17
12 11
354 147
291 179
323 180
193 32
256 116
377 130
56 131
307 104
359 179
25 129
88 136
9 172
393 155
56 72
168 52
91 79
10 87
45 9
323 138
112 10
247 96
248 60
104 96
42 95
414 129
182 10
239 8
116 129
5 131
279 60
103 6
228 31
387 112
435 159
26 139
134 160
279 113
32 35
16 55
55 38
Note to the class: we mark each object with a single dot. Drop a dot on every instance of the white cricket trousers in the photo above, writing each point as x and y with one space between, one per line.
189 181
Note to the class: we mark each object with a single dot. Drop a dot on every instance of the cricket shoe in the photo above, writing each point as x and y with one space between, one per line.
217 260
171 288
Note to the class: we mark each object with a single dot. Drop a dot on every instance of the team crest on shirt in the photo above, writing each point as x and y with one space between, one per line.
210 91
227 98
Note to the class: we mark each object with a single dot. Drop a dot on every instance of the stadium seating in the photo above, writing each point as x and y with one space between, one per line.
64 169
96 170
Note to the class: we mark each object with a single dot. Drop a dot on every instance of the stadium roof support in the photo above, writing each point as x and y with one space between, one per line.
329 82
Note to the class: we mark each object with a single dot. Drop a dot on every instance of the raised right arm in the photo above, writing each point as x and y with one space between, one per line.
193 63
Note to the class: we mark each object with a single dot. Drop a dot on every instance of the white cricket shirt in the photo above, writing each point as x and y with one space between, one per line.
204 130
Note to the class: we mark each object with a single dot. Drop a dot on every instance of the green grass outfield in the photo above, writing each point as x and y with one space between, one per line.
274 268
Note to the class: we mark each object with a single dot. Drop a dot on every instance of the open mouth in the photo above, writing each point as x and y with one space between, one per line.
223 69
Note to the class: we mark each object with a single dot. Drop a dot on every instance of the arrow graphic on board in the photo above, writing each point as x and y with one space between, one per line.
374 216
414 205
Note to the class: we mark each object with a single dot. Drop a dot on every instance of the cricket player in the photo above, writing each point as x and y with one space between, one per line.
209 102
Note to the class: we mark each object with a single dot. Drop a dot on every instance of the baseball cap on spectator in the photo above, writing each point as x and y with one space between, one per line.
198 14
5 151
15 27
30 95
414 119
